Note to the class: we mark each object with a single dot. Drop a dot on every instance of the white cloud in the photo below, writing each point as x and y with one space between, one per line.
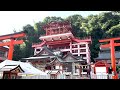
17 19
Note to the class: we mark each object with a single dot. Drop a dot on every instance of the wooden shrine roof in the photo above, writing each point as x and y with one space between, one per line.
49 51
53 71
10 68
56 23
107 56
4 49
51 55
38 58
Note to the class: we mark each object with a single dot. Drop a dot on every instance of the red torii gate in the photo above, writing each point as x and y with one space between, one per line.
112 45
12 42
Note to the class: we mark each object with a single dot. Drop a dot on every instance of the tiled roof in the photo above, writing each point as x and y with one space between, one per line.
55 56
8 67
40 57
45 48
106 55
53 71
75 57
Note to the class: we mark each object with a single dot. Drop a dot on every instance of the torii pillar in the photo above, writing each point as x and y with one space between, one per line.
111 45
12 42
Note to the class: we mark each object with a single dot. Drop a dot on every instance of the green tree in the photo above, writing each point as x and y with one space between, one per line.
76 21
99 27
38 31
114 31
50 19
17 53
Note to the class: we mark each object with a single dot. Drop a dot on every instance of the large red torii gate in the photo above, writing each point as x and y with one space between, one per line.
111 45
12 42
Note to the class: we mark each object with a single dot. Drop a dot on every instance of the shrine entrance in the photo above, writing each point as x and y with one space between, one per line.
11 71
12 41
101 67
83 70
111 44
9 75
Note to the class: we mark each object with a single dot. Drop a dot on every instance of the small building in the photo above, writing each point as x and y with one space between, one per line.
100 70
12 69
3 53
102 63
59 36
47 60
100 67
54 74
105 55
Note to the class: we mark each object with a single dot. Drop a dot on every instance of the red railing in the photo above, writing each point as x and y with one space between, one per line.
38 44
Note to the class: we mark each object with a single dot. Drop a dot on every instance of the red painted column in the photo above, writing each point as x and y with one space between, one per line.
11 48
113 59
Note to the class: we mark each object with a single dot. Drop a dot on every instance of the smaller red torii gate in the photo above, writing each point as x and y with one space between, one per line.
12 42
111 45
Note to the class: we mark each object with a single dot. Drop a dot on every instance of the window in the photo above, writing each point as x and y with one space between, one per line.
76 51
37 49
13 76
110 70
48 32
67 76
2 54
83 45
83 55
83 50
6 76
53 67
67 47
54 31
84 70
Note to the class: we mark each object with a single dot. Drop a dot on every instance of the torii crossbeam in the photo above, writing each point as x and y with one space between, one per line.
12 42
111 45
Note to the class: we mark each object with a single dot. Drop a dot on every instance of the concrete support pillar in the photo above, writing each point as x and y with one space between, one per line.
78 50
35 51
73 68
87 53
70 47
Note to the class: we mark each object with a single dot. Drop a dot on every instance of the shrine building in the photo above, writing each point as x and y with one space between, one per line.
3 53
61 50
59 37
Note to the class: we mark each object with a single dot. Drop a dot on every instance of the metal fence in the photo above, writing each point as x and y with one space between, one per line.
60 76
63 76
34 77
94 76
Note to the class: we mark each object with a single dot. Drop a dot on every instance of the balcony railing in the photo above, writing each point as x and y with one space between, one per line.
2 55
36 43
64 49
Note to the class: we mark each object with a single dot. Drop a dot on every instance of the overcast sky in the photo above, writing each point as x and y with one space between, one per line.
10 20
